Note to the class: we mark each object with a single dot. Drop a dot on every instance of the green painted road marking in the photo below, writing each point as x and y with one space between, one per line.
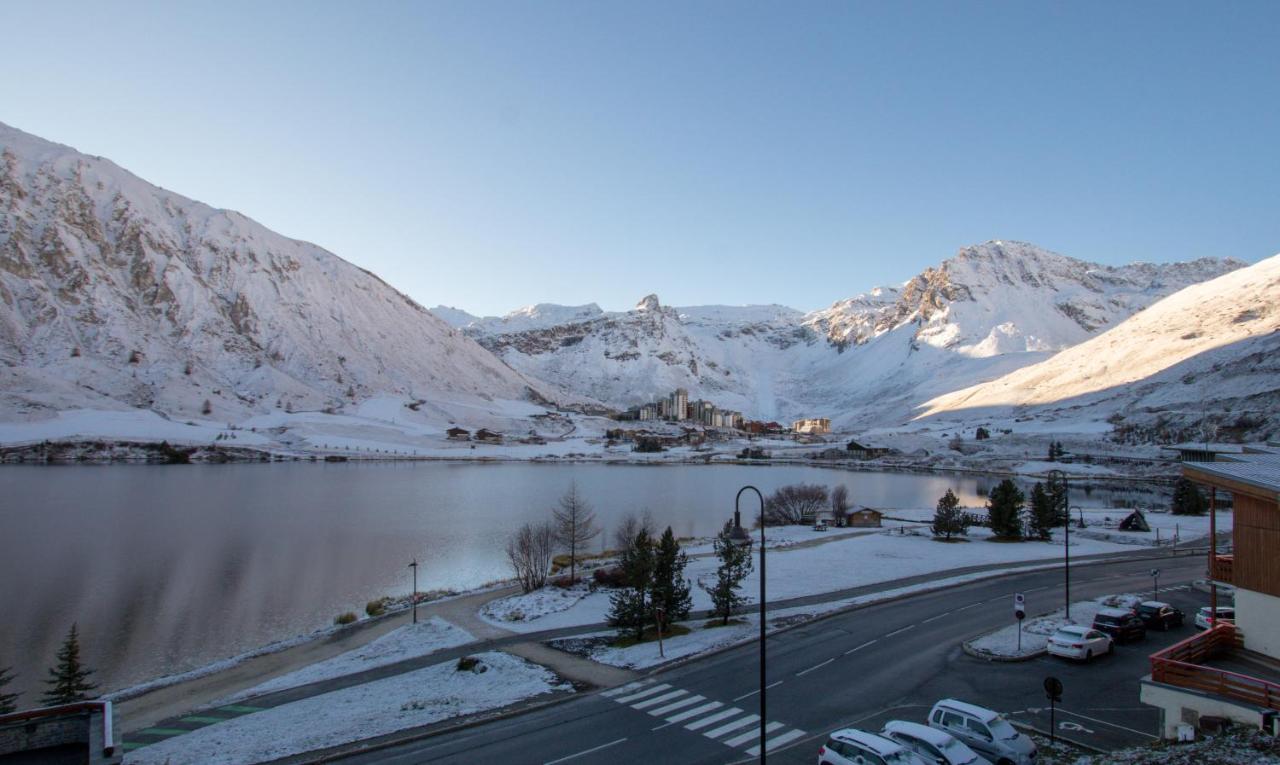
163 732
203 719
240 709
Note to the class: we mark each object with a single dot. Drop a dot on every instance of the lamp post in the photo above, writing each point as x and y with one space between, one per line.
1058 479
414 566
740 537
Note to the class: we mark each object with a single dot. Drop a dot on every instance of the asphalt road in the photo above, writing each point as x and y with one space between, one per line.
857 669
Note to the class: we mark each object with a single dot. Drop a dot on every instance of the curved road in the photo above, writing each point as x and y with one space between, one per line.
856 668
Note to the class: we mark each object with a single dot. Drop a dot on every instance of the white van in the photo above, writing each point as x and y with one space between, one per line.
984 731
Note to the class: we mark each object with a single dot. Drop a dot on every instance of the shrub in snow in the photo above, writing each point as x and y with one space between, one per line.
472 664
345 618
376 607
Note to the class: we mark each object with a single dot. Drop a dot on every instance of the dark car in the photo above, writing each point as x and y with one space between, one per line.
1122 625
1160 616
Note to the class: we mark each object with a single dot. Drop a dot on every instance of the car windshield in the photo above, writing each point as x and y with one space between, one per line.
958 753
1068 634
900 757
1147 610
1001 728
1106 619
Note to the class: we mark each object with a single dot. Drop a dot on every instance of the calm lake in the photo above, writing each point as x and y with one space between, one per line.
167 568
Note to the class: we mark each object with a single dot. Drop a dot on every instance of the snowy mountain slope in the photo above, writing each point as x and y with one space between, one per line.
871 359
1212 347
115 293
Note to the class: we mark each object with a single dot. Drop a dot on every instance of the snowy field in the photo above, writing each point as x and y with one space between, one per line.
410 700
800 571
407 642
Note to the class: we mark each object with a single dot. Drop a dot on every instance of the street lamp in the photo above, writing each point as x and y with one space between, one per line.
414 566
740 537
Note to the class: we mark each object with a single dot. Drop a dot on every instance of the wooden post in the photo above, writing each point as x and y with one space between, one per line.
1213 556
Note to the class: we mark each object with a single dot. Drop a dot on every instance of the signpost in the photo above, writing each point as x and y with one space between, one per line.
1019 613
659 614
1155 583
1053 689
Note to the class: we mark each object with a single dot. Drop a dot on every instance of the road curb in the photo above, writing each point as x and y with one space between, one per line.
978 653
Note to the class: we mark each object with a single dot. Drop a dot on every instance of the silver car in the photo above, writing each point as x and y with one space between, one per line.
984 731
931 744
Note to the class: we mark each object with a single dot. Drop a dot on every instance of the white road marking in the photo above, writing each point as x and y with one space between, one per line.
694 712
741 722
745 737
642 694
971 605
936 618
749 695
715 718
776 742
816 666
658 699
623 689
662 710
859 648
587 751
1104 722
899 632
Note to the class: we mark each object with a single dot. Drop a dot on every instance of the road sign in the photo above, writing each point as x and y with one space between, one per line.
1155 572
1019 607
1053 688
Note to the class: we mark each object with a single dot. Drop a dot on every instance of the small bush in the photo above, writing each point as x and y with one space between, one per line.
563 582
376 607
345 618
608 577
471 664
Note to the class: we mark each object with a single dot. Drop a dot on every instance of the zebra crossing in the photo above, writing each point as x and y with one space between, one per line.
716 720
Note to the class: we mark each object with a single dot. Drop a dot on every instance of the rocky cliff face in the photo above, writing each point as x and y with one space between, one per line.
872 358
114 292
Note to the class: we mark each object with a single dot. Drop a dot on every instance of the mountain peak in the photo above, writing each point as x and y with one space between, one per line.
649 303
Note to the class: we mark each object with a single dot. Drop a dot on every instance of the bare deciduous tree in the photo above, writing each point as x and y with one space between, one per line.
575 524
529 550
630 527
839 503
794 504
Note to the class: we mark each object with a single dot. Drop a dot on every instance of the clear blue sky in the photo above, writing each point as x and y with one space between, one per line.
490 155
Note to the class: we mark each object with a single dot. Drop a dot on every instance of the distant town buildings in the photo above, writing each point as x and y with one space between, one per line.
677 407
813 427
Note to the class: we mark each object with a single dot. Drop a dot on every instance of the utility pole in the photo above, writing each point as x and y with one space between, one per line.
414 566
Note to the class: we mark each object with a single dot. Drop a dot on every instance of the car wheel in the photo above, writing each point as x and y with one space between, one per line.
1088 654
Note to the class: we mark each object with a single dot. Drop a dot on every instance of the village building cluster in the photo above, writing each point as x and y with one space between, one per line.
677 407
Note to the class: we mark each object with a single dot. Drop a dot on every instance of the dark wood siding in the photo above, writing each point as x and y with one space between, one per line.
1257 545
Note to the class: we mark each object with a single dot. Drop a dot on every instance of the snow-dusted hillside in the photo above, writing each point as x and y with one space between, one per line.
116 294
871 359
1210 350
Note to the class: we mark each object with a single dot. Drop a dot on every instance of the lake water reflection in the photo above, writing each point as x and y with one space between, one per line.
169 567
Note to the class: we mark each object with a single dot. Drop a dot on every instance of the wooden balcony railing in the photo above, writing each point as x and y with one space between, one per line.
1221 568
1179 665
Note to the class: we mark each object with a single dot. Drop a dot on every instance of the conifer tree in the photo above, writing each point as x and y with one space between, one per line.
1044 515
629 605
1056 489
69 680
949 519
735 564
8 701
1187 499
670 590
1004 508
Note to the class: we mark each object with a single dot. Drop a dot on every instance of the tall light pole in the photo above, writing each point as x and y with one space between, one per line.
414 566
739 536
1058 483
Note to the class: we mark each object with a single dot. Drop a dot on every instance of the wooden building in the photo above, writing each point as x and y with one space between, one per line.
864 518
458 434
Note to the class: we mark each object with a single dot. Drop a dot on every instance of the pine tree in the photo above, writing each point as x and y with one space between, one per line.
670 590
1044 515
735 564
949 519
1004 508
1056 488
8 701
69 680
1187 499
629 605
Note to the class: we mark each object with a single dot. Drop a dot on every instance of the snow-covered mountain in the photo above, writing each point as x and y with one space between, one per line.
1211 351
115 293
874 358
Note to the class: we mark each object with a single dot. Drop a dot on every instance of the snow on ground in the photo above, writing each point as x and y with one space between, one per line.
843 563
532 606
407 642
413 699
125 424
1037 631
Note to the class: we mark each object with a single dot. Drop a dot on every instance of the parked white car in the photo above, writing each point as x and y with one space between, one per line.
1225 614
1076 642
931 744
984 731
851 746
